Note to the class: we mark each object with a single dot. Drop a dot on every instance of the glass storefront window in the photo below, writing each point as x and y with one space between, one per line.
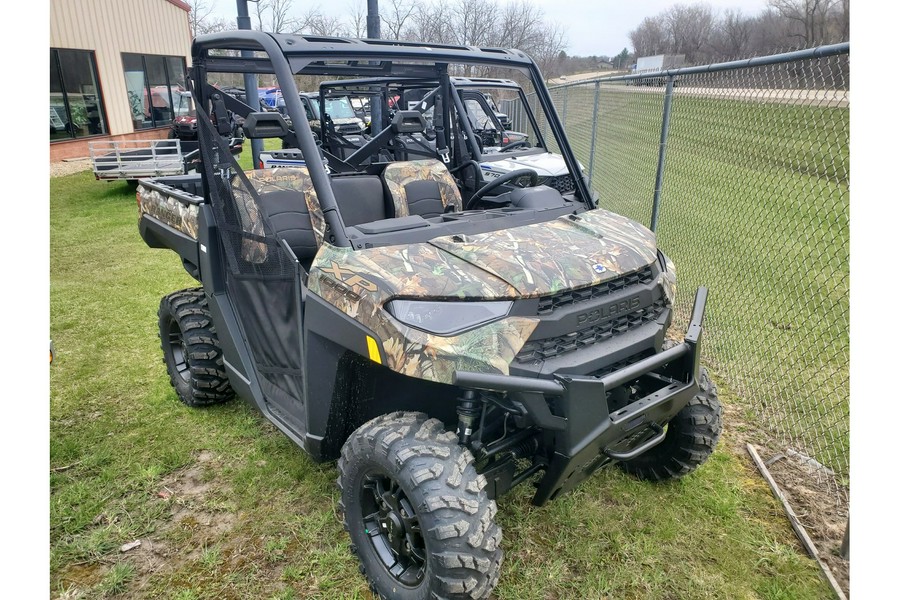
136 86
76 105
155 87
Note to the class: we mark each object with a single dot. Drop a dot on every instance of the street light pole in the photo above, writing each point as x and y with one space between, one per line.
373 32
373 21
251 88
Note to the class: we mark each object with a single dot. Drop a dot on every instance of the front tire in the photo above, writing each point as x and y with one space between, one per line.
191 350
417 513
691 437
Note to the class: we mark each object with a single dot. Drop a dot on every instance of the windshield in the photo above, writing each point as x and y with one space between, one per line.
360 103
480 119
183 104
339 108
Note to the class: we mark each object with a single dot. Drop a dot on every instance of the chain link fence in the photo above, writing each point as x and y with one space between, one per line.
742 169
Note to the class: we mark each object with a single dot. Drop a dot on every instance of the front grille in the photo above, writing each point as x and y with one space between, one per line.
563 183
556 346
623 363
548 304
349 128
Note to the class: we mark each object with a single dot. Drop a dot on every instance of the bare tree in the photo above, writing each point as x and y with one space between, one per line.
475 21
702 36
810 15
520 25
431 23
274 16
308 22
771 33
201 20
396 16
732 36
322 25
690 28
840 21
356 19
649 38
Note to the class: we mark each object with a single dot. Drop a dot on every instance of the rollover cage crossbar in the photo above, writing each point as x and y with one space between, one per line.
289 55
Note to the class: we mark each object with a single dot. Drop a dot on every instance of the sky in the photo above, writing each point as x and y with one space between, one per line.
593 27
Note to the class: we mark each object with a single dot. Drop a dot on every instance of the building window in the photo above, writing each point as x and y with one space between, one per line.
76 106
155 87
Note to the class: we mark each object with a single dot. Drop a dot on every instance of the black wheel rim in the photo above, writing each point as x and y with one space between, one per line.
179 354
393 529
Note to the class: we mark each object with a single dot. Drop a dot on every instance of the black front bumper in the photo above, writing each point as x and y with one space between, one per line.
185 131
574 409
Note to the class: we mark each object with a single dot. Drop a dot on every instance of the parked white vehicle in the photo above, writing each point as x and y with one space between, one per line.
550 167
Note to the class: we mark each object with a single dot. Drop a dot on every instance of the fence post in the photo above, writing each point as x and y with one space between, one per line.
845 544
661 164
565 91
594 133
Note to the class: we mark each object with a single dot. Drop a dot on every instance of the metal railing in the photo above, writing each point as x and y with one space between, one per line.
742 169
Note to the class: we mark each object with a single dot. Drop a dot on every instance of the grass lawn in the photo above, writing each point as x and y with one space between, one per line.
227 507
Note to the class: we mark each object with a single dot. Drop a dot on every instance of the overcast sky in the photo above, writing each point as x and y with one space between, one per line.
594 27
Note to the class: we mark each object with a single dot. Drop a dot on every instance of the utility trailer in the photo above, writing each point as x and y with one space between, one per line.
135 159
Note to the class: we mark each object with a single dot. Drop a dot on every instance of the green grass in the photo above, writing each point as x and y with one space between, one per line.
755 205
227 507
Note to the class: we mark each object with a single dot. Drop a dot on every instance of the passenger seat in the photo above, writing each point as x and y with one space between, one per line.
421 187
360 198
290 204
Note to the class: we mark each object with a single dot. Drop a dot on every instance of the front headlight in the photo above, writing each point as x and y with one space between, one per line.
525 181
668 276
446 318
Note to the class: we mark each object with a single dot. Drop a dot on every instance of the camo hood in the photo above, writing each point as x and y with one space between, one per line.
570 252
534 260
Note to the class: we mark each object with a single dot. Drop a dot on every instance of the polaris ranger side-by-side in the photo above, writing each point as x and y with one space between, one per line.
443 338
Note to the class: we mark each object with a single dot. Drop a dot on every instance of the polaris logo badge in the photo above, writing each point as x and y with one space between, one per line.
610 310
599 268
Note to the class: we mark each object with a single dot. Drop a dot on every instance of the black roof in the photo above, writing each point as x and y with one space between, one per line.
335 48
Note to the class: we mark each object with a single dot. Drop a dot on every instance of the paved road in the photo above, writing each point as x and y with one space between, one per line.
823 98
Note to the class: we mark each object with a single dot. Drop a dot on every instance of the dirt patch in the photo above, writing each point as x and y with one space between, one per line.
810 494
193 522
75 578
191 483
70 166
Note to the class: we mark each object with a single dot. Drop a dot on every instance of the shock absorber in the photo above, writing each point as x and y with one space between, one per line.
468 410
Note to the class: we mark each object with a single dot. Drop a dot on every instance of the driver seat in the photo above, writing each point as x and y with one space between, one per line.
421 187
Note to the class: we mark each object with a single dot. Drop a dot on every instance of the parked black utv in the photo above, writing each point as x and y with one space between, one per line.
442 338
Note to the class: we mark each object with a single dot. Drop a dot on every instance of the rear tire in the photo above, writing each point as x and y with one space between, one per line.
441 540
691 437
191 350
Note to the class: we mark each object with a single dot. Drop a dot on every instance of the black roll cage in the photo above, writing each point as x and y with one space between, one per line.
287 55
377 86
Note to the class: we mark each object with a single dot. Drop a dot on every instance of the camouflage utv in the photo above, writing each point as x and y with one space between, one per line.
444 339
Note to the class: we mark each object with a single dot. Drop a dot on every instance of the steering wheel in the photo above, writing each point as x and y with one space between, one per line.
514 145
495 183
